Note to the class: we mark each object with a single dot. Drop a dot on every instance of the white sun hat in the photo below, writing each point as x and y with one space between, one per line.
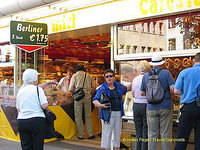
30 75
156 60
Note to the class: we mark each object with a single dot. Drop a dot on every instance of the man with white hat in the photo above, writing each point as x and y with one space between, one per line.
159 116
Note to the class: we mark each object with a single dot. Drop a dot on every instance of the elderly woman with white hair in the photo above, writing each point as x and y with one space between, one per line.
31 118
139 106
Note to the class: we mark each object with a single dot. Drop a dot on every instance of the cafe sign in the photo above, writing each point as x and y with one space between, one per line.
28 33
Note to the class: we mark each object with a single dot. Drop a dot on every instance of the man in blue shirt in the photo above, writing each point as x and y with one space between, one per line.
187 84
159 116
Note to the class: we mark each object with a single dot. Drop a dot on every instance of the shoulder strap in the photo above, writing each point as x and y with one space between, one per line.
154 72
38 93
150 72
84 80
158 71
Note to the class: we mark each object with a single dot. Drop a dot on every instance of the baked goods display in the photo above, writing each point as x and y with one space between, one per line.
187 63
57 69
176 65
7 74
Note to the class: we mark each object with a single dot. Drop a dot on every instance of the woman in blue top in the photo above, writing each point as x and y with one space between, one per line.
110 116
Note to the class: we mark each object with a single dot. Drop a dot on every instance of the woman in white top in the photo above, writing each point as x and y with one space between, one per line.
139 106
31 119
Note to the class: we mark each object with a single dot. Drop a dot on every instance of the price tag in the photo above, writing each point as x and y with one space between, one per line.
28 33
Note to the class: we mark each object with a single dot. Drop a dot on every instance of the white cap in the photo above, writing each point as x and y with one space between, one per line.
30 75
156 60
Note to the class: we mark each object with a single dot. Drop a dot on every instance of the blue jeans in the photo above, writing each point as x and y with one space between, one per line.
140 119
190 115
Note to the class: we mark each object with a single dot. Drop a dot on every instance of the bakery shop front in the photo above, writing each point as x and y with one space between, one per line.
117 35
69 44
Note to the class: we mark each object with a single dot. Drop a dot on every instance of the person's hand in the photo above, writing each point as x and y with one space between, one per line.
103 106
52 82
69 94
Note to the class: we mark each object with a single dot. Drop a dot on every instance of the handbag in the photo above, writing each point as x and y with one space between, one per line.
105 99
79 93
50 117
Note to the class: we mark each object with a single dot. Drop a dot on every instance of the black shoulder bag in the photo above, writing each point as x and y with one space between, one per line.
79 94
50 117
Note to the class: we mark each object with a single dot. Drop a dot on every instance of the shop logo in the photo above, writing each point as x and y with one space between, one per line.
148 7
65 22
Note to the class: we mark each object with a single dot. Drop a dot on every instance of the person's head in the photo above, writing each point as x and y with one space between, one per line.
143 66
30 76
197 58
79 68
109 76
156 60
70 71
99 80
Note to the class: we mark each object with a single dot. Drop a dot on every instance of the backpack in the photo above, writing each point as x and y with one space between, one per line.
154 90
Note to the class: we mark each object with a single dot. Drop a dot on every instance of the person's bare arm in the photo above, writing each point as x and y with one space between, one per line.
178 92
171 89
43 85
99 105
44 106
142 93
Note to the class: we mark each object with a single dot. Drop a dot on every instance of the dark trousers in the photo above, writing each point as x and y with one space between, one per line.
140 119
32 133
190 116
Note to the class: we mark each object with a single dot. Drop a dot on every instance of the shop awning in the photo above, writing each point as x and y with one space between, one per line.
14 6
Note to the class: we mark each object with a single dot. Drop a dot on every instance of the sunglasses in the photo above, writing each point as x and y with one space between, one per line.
109 76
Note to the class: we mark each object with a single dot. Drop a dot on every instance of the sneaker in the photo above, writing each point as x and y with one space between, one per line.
80 138
91 137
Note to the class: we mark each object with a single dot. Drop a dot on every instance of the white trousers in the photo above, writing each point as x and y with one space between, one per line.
114 127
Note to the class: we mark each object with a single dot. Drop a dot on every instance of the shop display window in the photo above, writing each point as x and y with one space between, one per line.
127 72
163 34
91 51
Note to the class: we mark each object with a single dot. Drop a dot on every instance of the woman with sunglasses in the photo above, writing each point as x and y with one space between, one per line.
110 115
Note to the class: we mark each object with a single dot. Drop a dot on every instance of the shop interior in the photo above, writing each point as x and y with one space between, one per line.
89 47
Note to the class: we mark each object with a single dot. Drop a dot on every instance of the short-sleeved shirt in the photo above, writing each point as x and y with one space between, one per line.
166 80
188 80
77 82
136 83
64 83
28 103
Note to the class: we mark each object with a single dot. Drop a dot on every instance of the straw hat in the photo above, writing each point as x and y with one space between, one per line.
156 60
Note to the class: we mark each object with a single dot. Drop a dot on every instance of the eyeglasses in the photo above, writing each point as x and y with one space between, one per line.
109 76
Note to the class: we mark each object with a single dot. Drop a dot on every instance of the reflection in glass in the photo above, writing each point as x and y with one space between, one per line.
165 34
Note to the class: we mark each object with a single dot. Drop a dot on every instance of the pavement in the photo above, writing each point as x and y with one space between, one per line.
56 145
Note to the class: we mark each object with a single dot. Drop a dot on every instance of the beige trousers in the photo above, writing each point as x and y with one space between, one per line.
78 107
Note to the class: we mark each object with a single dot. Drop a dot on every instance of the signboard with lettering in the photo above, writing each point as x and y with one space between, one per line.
28 33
